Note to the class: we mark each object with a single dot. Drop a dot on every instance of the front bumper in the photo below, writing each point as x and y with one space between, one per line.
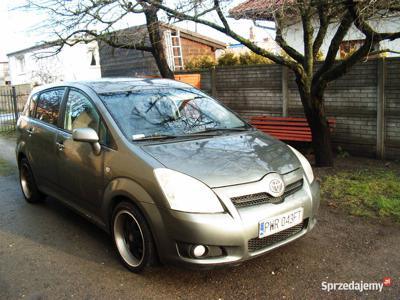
236 231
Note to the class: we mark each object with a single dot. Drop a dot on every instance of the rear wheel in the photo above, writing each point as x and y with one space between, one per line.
28 186
132 237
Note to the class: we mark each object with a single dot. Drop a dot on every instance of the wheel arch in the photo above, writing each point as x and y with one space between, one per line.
125 189
20 152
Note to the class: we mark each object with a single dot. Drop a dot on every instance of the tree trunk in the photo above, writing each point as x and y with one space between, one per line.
156 40
321 136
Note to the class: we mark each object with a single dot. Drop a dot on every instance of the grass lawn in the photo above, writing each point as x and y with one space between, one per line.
8 133
6 168
369 189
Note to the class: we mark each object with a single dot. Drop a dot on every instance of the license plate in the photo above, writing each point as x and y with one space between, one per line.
278 223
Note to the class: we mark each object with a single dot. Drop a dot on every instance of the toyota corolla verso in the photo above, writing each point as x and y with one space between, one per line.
172 174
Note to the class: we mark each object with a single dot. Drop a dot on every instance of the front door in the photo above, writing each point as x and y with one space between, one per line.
80 171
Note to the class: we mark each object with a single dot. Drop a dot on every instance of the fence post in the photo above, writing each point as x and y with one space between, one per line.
213 81
380 109
14 99
285 92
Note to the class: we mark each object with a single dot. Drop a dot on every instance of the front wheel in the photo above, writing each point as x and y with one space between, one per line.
27 181
132 237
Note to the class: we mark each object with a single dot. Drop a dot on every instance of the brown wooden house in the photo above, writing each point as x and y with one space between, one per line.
180 45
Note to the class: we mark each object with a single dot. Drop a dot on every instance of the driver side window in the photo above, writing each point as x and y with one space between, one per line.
80 112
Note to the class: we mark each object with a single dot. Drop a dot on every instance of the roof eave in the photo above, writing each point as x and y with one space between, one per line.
194 36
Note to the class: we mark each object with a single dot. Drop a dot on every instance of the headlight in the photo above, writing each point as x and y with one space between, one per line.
184 193
305 164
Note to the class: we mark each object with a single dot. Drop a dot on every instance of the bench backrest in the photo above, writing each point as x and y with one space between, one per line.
290 128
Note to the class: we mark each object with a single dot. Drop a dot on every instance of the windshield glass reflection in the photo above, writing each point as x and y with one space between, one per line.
168 111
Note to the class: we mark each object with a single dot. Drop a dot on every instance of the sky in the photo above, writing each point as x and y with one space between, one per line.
19 28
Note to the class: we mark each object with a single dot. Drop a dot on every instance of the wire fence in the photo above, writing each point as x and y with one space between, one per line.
12 101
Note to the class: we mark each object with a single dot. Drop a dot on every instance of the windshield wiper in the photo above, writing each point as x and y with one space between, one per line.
207 130
142 137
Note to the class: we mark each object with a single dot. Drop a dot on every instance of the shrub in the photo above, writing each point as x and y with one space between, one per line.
246 58
320 56
251 58
228 59
200 62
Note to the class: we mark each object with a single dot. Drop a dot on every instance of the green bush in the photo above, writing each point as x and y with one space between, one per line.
5 168
250 58
320 56
228 59
200 62
246 58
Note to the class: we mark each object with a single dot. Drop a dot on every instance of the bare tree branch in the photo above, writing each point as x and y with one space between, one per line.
330 58
75 22
293 53
268 54
323 28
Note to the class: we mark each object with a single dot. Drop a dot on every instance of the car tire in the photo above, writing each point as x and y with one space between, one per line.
132 237
28 185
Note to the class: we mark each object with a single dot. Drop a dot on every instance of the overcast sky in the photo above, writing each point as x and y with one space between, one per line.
18 28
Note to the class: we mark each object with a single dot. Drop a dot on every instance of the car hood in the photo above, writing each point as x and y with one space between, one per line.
226 159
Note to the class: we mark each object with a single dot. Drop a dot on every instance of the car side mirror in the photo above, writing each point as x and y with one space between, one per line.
87 135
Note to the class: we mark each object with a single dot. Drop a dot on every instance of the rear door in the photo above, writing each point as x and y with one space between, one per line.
42 133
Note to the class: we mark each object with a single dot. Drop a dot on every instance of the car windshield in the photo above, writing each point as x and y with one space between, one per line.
168 112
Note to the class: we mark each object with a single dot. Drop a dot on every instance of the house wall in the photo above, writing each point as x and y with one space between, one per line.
192 48
127 62
351 100
293 34
72 63
4 73
267 43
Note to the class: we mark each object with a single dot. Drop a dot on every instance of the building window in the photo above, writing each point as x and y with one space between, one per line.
92 57
348 47
21 63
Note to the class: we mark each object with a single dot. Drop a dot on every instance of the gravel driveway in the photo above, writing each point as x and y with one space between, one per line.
48 252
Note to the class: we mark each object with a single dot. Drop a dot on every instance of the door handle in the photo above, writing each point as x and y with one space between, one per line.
30 131
60 146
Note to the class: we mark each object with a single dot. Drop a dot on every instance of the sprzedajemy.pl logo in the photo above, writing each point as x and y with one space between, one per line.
356 285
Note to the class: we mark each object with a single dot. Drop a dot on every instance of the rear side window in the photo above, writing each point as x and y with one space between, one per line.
48 106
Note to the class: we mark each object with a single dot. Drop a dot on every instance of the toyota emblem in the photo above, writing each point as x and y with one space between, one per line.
276 186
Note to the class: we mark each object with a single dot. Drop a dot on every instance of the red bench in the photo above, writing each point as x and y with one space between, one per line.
287 129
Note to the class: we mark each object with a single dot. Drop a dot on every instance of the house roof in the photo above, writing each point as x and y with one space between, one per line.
137 32
140 31
32 48
258 9
265 9
197 37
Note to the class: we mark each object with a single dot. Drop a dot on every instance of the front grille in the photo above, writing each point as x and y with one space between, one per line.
258 244
262 198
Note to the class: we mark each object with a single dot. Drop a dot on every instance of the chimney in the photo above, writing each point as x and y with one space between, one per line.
252 35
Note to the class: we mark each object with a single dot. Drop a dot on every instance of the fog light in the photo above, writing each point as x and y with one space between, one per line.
198 250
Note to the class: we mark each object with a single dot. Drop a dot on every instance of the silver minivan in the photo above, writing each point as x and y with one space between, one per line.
172 174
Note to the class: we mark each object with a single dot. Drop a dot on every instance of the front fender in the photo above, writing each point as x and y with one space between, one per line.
124 187
20 148
128 188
